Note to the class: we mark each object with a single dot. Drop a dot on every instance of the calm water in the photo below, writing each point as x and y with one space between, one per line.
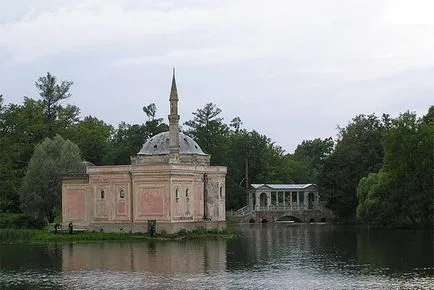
273 256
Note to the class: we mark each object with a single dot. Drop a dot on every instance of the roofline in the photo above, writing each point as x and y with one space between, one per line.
283 185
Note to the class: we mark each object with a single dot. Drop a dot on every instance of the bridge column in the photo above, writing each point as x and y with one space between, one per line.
268 200
284 201
298 199
258 203
305 199
277 198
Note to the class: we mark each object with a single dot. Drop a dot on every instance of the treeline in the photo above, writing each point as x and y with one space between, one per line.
379 169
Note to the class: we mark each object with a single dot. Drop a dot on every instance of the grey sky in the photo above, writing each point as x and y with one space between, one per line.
292 70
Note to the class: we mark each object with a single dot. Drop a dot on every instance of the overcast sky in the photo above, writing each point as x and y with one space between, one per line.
292 70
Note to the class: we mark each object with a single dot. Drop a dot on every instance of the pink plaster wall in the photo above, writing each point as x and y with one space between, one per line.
176 207
198 200
150 202
75 204
122 207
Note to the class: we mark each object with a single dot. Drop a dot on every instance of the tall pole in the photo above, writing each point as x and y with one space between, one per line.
247 180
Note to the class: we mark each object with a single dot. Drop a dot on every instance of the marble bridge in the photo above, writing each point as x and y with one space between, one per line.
289 202
248 214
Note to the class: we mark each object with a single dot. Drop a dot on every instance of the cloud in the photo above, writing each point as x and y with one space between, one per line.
311 64
355 39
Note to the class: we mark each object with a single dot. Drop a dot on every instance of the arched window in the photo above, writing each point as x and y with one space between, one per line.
221 192
187 195
102 194
176 195
122 193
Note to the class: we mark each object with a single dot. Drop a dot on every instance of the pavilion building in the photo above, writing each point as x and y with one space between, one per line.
170 183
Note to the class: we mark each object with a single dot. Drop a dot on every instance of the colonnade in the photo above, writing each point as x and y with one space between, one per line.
283 200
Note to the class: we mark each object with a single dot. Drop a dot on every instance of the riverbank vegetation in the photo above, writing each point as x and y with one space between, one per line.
34 235
377 169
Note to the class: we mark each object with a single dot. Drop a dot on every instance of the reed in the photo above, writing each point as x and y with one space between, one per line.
16 235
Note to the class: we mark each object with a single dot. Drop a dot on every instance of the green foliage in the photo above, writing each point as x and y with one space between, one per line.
128 139
52 93
14 235
150 111
19 221
358 152
23 126
40 193
234 148
92 136
209 131
402 192
309 158
372 192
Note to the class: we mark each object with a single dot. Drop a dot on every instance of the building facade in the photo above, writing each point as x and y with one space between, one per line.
170 182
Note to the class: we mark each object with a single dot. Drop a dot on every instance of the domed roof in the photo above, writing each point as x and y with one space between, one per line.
160 145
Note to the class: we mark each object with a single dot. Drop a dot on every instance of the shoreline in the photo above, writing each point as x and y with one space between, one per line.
43 235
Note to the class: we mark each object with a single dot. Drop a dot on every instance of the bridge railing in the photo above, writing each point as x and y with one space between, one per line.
248 209
288 208
243 211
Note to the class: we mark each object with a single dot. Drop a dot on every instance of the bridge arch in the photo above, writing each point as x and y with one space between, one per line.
289 218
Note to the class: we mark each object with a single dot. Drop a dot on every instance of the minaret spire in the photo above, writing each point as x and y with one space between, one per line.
173 90
174 122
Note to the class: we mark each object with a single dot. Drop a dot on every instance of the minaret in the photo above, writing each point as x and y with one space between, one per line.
174 123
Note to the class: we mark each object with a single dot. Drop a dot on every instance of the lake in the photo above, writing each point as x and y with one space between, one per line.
265 256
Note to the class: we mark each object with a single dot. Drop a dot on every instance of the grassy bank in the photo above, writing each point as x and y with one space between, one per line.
24 235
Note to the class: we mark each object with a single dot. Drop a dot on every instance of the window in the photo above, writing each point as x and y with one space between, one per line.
187 195
122 193
176 195
102 194
221 191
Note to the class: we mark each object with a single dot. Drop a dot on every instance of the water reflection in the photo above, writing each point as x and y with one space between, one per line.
272 256
396 250
327 247
161 257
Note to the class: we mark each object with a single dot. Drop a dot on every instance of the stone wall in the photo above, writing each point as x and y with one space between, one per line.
305 216
161 226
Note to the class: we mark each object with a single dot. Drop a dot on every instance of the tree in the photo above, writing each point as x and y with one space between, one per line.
236 124
127 139
357 153
22 126
154 125
40 192
311 156
92 137
209 131
374 206
52 93
150 111
264 161
401 192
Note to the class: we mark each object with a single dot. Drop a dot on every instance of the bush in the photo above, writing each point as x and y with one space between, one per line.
19 221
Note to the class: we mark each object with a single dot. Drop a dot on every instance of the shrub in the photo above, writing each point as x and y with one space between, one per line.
19 221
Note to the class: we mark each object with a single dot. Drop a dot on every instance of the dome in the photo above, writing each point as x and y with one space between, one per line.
160 145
